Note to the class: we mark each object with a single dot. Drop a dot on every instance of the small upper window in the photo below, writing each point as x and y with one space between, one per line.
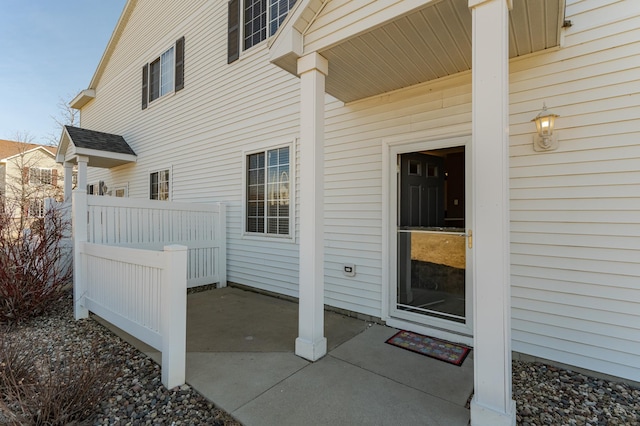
163 75
258 19
159 185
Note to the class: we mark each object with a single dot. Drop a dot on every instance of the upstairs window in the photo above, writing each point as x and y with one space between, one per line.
163 75
41 176
256 20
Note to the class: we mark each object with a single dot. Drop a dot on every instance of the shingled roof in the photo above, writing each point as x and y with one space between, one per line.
90 139
102 149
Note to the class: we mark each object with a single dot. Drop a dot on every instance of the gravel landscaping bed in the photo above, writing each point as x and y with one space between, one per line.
545 395
138 396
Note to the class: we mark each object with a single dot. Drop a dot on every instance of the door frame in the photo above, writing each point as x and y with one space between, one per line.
391 148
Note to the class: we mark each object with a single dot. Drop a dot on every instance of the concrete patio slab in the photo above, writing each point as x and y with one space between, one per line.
368 351
233 379
240 356
334 392
234 320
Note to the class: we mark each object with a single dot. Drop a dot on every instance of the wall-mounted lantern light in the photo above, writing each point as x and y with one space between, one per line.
545 140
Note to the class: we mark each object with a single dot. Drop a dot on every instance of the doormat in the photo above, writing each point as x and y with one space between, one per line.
430 346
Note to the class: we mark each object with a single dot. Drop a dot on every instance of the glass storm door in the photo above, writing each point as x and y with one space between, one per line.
431 237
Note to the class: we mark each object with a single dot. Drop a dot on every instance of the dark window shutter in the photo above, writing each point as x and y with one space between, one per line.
233 43
145 85
179 64
54 177
25 175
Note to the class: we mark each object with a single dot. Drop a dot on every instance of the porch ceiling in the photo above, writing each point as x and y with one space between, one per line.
430 43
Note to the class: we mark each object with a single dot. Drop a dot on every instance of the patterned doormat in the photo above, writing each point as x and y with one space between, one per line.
430 346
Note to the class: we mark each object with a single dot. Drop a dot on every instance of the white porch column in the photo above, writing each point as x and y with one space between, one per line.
82 171
492 403
311 343
68 181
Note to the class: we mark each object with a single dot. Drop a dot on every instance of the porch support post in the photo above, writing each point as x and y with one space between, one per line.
79 231
492 403
68 181
311 343
82 161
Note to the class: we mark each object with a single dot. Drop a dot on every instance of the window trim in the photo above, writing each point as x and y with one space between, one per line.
264 147
40 205
124 188
158 170
36 176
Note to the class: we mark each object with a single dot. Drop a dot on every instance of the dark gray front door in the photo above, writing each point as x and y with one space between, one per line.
421 190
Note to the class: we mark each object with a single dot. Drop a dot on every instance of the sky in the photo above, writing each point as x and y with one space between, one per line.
50 51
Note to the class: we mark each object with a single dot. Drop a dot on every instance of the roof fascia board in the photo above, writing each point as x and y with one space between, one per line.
288 40
82 98
105 154
29 151
111 45
62 146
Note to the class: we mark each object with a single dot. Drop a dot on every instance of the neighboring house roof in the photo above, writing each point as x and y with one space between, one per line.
103 149
10 149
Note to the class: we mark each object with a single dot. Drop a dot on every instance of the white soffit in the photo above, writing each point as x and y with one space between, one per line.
431 43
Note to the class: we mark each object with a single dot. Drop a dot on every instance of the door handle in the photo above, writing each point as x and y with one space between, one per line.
470 238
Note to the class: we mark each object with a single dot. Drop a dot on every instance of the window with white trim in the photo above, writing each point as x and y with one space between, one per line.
258 19
268 192
163 75
159 185
40 175
36 207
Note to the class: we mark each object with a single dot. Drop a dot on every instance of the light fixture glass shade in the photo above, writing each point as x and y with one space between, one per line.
545 122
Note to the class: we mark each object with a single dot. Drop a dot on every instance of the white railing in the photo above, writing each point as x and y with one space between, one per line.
133 261
150 224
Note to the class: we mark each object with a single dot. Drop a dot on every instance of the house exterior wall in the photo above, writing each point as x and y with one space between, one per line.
15 187
201 132
575 212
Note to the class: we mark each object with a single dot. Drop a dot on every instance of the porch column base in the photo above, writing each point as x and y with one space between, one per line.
486 416
311 351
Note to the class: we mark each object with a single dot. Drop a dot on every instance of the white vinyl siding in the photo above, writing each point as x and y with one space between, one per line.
575 212
204 132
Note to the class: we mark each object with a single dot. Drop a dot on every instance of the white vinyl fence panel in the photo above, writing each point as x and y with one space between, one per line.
143 292
151 224
133 260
